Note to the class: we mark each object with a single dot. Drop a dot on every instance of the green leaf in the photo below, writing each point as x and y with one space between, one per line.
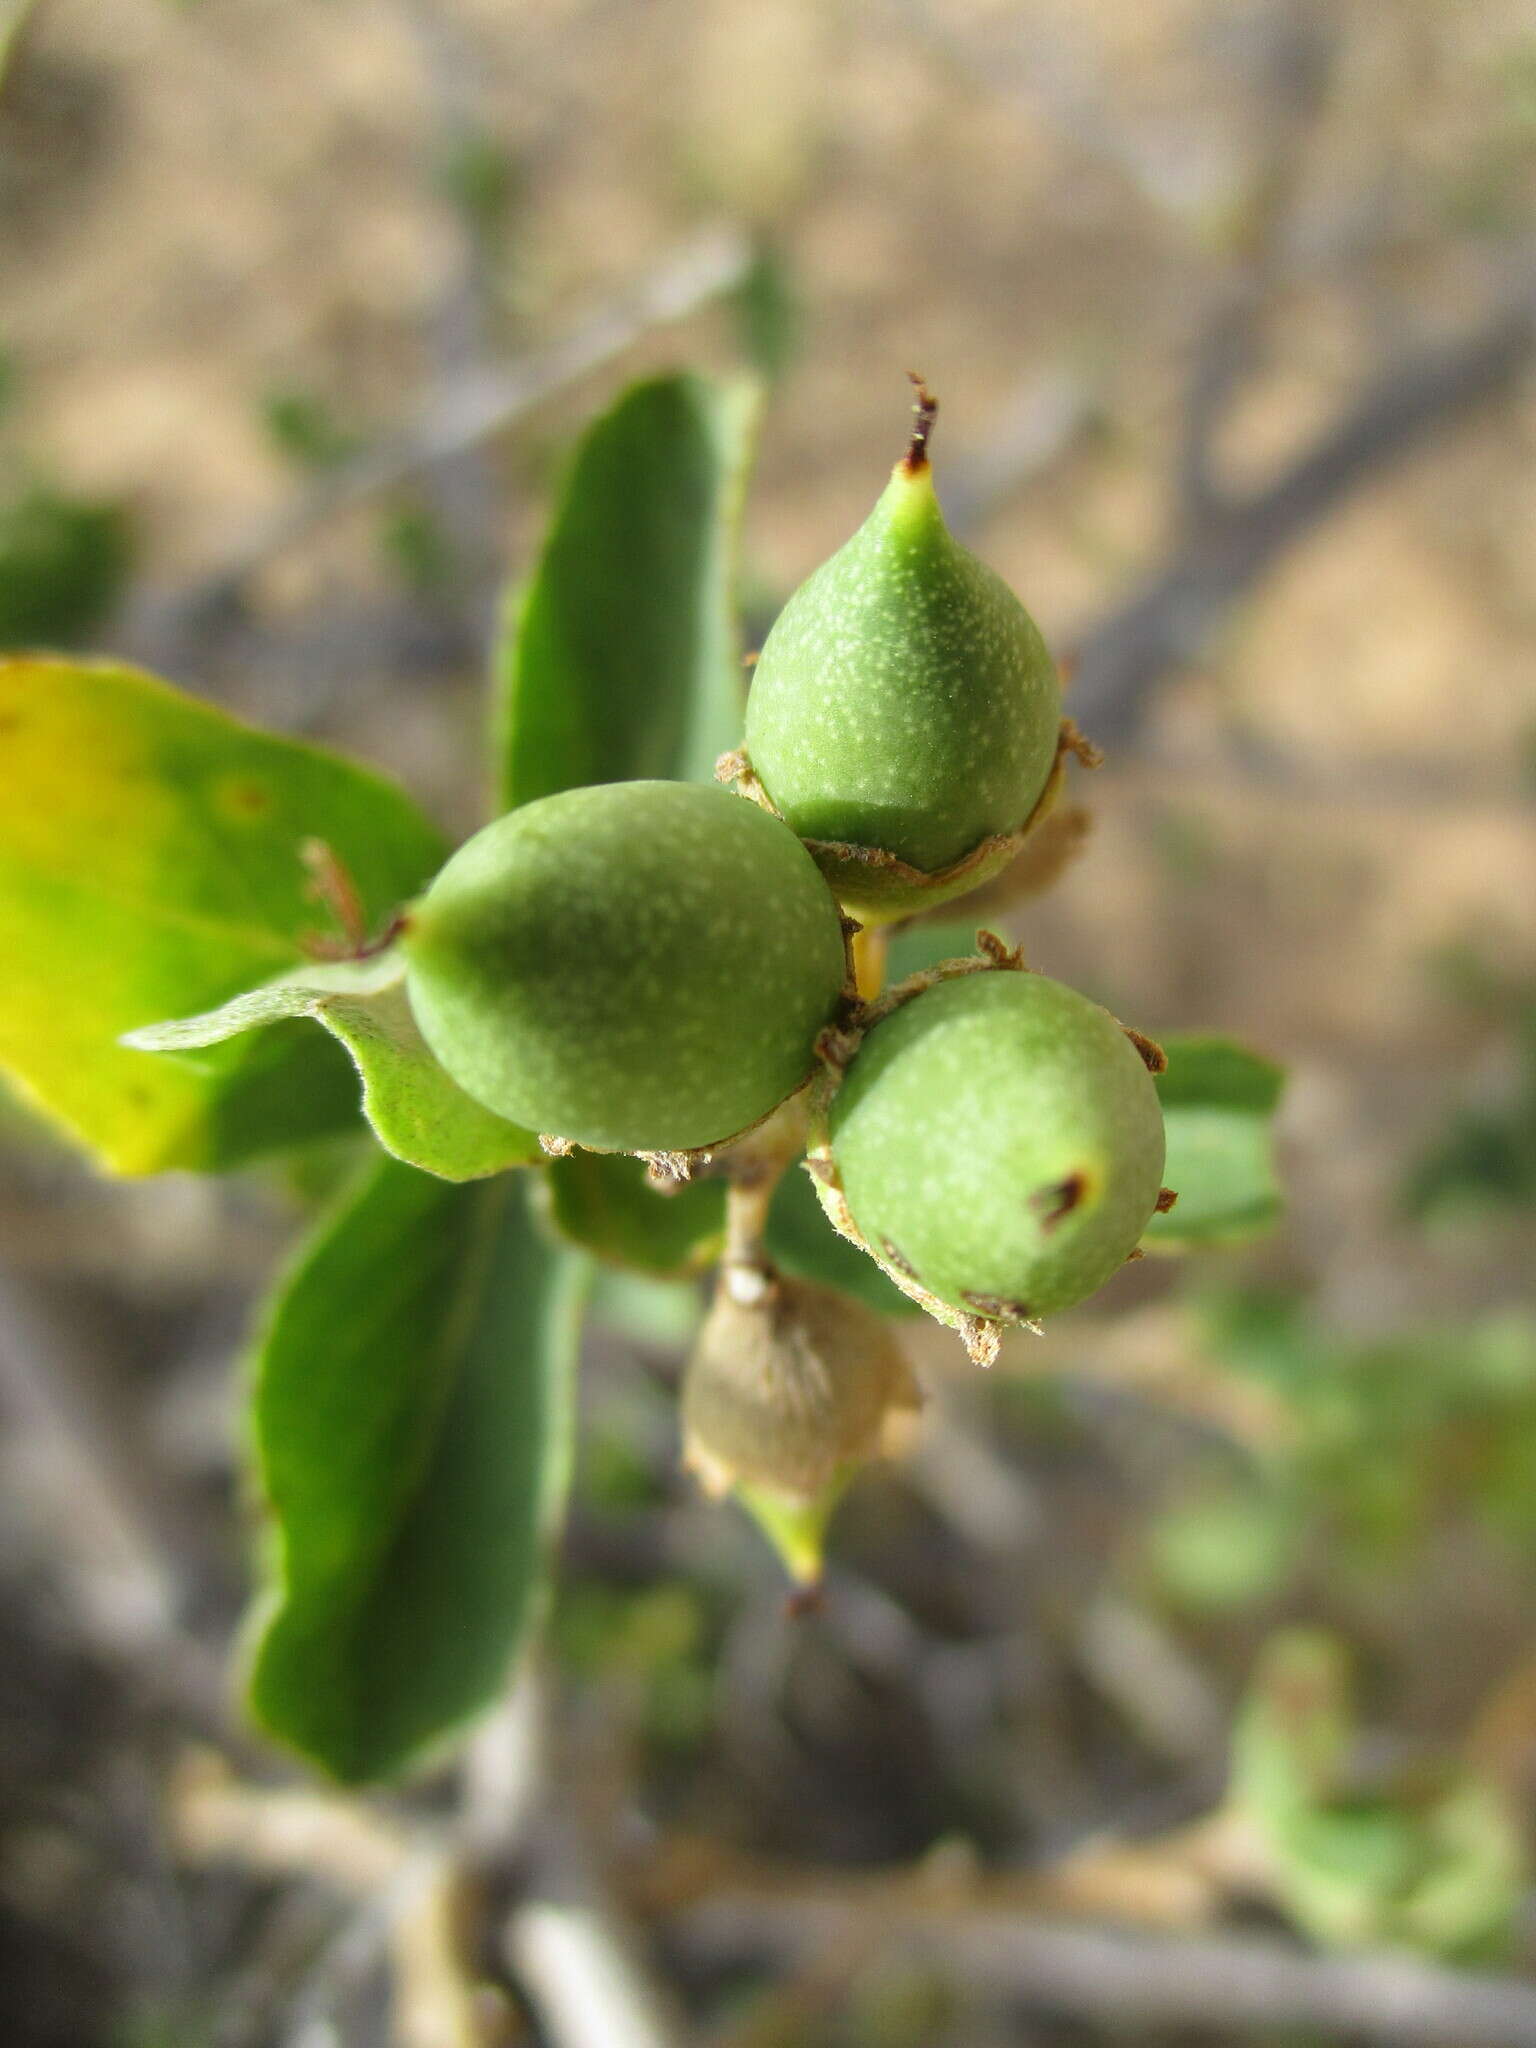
150 867
768 313
622 659
657 1315
603 1202
302 427
1218 1102
63 564
1223 1547
413 1418
416 1111
803 1242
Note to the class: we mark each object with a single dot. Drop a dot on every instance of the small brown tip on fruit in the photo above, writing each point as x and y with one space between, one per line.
981 1337
800 1601
925 410
1166 1197
1153 1057
1072 741
999 952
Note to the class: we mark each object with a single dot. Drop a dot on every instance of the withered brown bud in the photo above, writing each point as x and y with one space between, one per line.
789 1386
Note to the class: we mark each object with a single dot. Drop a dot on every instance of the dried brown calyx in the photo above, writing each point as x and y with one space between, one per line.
790 1387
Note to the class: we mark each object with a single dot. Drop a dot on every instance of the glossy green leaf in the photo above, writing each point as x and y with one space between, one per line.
150 867
1219 1101
416 1111
803 1242
621 657
603 1202
413 1426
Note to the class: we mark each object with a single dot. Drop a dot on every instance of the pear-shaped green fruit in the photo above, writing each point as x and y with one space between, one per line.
639 966
998 1139
904 701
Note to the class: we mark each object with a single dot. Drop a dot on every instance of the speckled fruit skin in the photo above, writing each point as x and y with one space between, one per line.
904 699
639 966
1000 1136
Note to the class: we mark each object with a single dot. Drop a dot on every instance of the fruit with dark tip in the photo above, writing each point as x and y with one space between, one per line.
904 702
997 1139
639 966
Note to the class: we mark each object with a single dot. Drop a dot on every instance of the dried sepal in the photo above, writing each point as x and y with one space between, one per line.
878 888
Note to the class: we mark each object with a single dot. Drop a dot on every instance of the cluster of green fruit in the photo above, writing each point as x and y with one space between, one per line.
655 967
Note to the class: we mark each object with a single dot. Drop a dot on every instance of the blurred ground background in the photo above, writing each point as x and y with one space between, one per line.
1150 258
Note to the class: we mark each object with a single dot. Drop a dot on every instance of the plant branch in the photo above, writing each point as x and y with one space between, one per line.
487 403
1171 618
1115 1978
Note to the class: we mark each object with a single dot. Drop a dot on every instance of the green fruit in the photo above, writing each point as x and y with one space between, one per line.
640 966
904 700
998 1139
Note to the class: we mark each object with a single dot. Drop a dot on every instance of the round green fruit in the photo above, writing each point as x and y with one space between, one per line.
904 701
638 967
998 1140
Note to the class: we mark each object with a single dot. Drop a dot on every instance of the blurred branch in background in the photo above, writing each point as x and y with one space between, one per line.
1237 539
482 404
131 1549
1117 1978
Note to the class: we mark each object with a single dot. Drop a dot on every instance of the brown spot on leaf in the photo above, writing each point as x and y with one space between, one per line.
244 798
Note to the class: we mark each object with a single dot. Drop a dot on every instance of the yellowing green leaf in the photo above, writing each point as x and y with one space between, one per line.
149 867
